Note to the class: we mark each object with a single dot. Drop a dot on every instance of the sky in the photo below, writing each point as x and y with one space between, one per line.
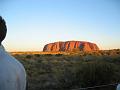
33 23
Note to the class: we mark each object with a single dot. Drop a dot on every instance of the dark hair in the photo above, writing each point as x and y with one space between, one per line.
3 29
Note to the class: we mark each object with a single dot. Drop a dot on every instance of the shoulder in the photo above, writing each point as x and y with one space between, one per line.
118 87
8 61
11 62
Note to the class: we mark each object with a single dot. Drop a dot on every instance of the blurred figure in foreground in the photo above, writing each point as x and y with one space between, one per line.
12 72
118 87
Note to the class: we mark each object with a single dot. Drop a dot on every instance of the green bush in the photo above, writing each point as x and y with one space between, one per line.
97 73
37 55
29 56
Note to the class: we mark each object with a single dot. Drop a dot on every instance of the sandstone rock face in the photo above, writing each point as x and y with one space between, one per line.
70 46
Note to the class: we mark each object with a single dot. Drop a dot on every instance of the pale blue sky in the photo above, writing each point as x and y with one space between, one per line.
34 23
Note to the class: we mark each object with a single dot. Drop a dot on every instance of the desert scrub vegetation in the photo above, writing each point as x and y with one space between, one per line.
71 71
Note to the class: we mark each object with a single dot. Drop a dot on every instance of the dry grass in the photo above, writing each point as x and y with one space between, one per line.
58 71
36 52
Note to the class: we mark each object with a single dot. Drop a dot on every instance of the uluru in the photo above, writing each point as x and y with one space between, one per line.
70 46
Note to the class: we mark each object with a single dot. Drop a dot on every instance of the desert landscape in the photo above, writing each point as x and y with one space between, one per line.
60 44
72 69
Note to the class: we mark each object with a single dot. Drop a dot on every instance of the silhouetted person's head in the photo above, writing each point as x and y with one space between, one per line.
3 29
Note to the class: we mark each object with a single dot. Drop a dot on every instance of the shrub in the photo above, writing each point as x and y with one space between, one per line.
29 56
97 73
58 54
37 55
